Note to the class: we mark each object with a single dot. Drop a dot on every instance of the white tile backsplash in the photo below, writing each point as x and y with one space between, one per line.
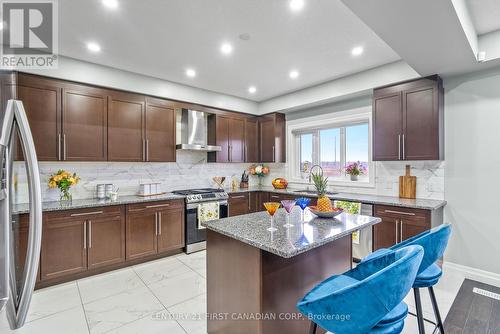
192 171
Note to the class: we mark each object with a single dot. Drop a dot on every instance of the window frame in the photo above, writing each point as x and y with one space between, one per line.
313 125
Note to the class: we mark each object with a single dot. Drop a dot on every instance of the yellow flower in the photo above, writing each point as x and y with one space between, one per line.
52 184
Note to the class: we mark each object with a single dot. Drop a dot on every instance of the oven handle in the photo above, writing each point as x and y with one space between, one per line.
195 205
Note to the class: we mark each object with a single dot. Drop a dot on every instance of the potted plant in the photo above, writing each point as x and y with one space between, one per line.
259 170
63 180
355 169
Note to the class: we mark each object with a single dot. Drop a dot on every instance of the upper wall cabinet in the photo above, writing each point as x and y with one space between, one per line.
84 124
42 103
408 121
272 138
251 140
126 140
160 130
228 133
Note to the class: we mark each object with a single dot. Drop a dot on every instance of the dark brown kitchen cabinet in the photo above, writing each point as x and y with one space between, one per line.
154 228
251 140
20 235
272 138
408 121
229 134
170 229
160 130
42 102
238 204
398 224
257 200
106 239
64 246
75 241
126 140
84 124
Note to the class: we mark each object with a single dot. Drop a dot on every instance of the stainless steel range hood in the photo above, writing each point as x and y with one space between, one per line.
192 126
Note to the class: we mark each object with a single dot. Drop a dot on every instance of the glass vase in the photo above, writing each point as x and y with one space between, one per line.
65 195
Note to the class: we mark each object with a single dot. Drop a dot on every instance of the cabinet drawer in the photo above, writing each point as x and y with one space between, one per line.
239 204
404 213
160 205
85 213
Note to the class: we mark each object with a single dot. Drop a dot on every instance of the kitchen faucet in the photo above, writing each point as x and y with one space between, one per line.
310 173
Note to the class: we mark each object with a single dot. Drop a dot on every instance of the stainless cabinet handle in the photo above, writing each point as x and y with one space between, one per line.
400 212
397 223
235 197
274 154
86 213
159 223
156 223
401 230
274 196
399 147
64 146
230 152
143 150
147 149
157 206
85 235
90 233
59 146
403 142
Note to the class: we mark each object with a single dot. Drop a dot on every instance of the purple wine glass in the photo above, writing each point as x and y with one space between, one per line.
288 205
303 202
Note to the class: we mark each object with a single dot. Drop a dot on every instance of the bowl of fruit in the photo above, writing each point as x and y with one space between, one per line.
280 183
326 214
324 207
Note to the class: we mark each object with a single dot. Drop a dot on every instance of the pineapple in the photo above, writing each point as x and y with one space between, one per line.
321 183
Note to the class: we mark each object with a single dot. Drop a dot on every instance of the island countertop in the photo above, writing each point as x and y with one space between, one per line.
288 242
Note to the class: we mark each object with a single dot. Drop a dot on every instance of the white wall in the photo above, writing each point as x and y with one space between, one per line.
472 119
81 71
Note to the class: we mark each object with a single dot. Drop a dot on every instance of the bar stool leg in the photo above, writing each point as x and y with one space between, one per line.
420 314
312 329
436 310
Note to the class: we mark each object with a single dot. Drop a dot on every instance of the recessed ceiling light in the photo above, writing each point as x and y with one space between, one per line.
252 89
190 73
226 48
357 51
296 5
294 74
94 47
110 3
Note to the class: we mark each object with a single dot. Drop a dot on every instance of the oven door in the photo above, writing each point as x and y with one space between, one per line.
193 233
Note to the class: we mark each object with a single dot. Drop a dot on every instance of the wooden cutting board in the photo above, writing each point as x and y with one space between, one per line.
408 184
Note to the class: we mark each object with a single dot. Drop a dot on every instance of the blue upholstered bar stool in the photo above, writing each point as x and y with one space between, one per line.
366 299
434 242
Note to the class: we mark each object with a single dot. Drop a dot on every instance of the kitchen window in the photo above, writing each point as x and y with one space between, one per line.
333 146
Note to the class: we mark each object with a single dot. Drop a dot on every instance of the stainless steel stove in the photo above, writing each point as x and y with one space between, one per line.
195 234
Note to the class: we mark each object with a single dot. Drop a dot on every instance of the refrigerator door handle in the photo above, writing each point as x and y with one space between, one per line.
18 305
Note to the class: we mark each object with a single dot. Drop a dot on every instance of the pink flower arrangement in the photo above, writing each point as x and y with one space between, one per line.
355 168
259 170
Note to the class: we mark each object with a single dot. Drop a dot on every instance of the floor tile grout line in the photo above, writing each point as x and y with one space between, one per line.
83 307
158 299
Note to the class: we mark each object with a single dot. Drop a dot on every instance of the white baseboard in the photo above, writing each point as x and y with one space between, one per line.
475 274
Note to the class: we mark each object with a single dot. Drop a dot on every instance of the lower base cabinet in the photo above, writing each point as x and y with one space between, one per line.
398 224
154 228
78 240
82 242
238 204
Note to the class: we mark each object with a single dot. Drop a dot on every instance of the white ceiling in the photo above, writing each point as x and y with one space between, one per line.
162 38
485 15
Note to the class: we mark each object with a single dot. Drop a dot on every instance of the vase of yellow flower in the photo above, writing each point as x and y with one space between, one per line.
63 180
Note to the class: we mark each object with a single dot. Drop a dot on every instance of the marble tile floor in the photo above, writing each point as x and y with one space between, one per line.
156 297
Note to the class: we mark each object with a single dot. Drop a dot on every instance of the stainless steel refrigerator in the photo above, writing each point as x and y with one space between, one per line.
17 280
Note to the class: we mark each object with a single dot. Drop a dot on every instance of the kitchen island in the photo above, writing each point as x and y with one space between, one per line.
255 277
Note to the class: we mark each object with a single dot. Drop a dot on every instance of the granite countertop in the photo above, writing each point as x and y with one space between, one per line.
289 242
427 204
94 202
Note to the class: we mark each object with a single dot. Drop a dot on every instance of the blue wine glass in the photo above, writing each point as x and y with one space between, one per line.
302 202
